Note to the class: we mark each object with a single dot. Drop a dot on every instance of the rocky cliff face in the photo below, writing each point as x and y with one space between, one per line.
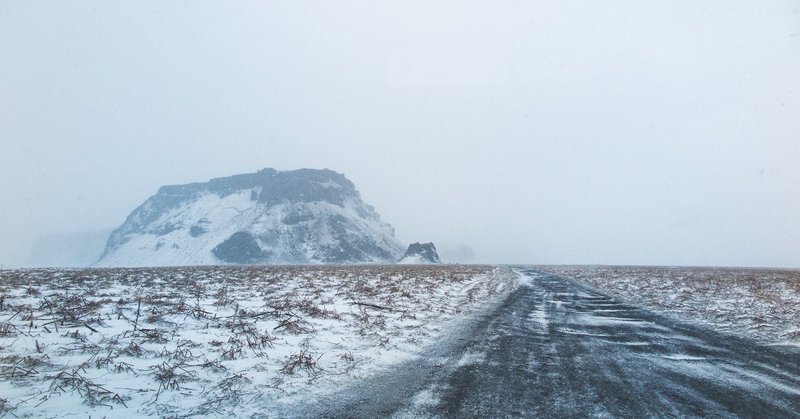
420 253
269 217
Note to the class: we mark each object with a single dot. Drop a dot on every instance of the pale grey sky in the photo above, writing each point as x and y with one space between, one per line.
614 132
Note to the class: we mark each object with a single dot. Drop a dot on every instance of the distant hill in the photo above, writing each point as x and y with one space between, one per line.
79 249
267 217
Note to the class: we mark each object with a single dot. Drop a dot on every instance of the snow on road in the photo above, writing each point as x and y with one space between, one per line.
583 361
763 304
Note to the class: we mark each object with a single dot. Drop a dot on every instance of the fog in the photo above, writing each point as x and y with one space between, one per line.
638 132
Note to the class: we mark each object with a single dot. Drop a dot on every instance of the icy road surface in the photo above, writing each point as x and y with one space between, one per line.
556 349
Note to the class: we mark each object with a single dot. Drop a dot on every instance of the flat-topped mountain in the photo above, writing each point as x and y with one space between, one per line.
267 217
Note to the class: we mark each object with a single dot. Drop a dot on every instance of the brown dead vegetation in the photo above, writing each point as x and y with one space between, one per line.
134 323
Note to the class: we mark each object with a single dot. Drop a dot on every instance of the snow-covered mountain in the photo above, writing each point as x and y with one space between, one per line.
299 216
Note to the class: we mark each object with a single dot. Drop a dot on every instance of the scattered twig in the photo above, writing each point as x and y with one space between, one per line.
371 305
138 308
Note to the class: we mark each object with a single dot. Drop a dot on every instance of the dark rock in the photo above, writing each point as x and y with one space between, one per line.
240 247
200 228
298 215
197 231
167 228
421 253
307 185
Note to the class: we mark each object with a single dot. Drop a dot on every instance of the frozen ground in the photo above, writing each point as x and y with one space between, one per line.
558 349
761 303
218 340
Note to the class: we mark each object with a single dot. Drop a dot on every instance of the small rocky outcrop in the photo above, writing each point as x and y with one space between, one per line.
420 253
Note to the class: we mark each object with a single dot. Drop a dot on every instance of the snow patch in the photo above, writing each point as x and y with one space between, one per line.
763 304
425 398
681 357
471 358
218 341
539 320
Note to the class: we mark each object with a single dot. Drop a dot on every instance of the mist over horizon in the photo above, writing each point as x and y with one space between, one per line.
573 133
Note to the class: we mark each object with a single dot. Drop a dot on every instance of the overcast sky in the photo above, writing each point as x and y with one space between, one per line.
611 132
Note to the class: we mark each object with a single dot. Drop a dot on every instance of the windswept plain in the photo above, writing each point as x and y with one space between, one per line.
399 341
218 340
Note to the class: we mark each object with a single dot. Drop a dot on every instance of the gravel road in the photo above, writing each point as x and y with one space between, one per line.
557 349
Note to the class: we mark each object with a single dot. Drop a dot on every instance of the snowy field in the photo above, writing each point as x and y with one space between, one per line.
760 303
218 340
